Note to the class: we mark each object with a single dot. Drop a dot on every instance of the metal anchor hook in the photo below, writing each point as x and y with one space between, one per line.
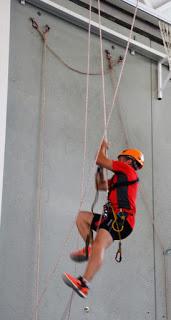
109 58
45 32
34 23
46 29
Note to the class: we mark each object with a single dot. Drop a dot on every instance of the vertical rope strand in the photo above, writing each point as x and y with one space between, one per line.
40 180
83 196
102 72
103 88
40 173
86 110
116 91
123 64
119 111
165 30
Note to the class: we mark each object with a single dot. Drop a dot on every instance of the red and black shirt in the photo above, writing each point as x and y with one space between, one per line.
124 196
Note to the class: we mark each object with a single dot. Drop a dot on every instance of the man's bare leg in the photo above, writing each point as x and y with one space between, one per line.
83 222
81 285
102 241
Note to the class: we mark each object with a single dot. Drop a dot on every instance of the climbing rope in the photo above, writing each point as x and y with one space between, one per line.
110 66
40 165
98 73
85 136
127 138
90 234
142 194
40 178
67 312
109 120
53 271
92 169
86 110
103 88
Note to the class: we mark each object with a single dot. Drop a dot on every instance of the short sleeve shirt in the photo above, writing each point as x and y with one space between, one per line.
124 197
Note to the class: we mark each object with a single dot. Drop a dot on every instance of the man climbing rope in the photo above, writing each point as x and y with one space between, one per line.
118 218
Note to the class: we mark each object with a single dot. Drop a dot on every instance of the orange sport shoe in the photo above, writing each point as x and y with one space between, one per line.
81 255
77 284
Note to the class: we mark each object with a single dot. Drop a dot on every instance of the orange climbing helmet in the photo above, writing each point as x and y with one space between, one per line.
134 154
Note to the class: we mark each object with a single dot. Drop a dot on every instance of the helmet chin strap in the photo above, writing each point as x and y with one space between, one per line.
135 164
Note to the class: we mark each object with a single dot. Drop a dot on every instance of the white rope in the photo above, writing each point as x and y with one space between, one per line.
56 265
102 72
119 112
107 123
53 271
115 93
144 197
86 110
103 90
127 138
123 64
165 30
40 173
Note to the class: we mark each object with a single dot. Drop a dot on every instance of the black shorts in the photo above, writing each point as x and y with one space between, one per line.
106 223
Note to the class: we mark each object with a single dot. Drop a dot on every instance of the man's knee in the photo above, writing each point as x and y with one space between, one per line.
79 219
103 239
84 217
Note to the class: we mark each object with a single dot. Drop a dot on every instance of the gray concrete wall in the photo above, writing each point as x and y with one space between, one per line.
134 289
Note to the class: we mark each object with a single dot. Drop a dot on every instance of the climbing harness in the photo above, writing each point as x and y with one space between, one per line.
120 216
117 225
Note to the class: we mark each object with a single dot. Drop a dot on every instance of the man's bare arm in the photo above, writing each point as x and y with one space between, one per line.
102 159
101 183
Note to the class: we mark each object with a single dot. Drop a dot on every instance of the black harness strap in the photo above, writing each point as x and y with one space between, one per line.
124 183
121 184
